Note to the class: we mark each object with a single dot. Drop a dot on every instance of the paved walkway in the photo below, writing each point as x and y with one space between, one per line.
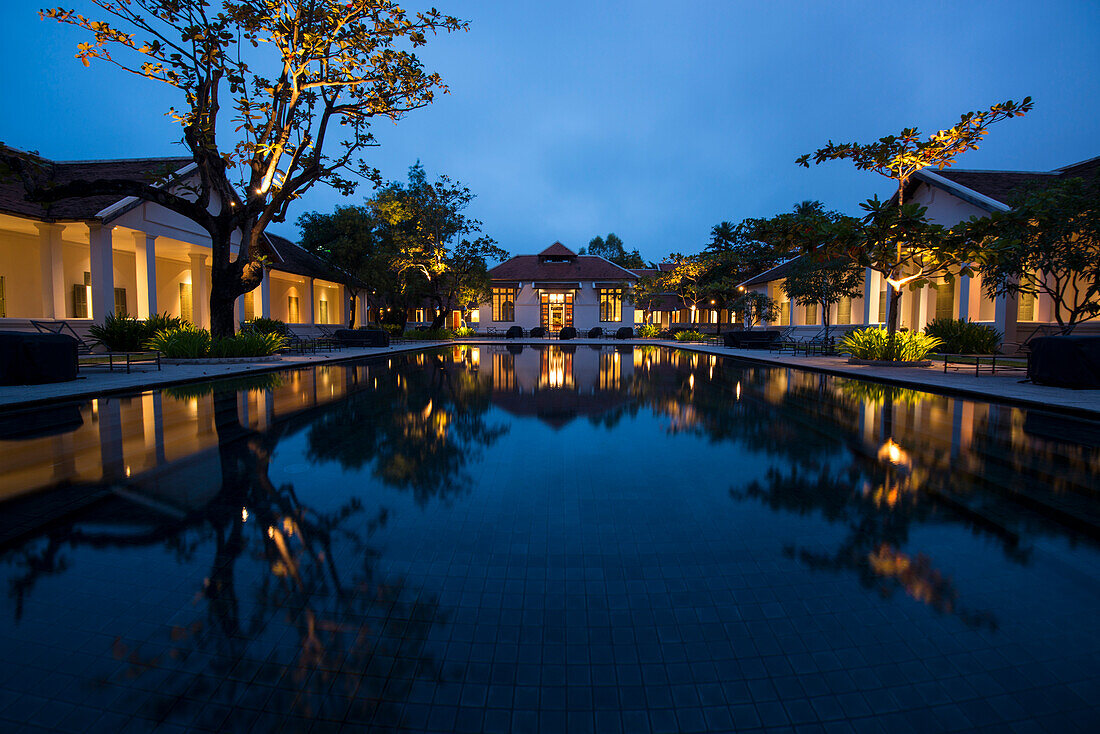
98 381
1003 388
1006 387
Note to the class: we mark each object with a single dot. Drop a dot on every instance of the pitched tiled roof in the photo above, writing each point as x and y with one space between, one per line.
12 194
1005 186
779 271
557 250
288 257
581 267
1001 186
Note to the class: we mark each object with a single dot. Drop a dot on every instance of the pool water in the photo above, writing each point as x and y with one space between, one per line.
555 539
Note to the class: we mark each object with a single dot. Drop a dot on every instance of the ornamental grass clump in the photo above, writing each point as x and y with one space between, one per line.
127 334
264 325
960 336
430 334
464 332
689 336
190 342
874 343
248 344
183 342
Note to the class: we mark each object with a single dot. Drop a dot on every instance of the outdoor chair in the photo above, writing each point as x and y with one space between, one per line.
63 327
362 337
763 339
514 332
624 332
567 333
298 343
88 357
595 333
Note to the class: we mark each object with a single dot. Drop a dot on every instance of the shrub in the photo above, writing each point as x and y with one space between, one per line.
430 334
120 333
465 331
648 331
875 343
689 336
960 336
159 321
264 325
127 334
248 344
183 342
393 329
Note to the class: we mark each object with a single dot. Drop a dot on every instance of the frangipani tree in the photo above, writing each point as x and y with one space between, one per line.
1048 243
890 240
276 96
824 281
899 157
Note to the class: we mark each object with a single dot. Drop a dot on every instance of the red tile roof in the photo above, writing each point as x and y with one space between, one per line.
12 194
557 250
287 257
580 267
1004 186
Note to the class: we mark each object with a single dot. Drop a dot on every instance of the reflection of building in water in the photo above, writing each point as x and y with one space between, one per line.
611 370
503 374
556 369
558 383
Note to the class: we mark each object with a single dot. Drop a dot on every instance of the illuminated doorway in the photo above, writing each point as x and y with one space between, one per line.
557 311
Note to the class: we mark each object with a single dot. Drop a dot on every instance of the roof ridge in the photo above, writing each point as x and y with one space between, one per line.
1079 163
122 160
620 267
952 169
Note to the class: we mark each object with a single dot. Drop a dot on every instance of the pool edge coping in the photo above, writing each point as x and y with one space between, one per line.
837 371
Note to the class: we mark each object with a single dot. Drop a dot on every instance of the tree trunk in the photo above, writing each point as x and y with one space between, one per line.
352 293
825 319
440 319
229 280
893 311
221 316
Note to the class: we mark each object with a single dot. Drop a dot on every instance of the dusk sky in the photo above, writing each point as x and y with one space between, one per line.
653 120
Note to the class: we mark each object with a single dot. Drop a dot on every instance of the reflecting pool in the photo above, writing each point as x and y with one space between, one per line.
556 539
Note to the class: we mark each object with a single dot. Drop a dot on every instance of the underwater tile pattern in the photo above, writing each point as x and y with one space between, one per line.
546 540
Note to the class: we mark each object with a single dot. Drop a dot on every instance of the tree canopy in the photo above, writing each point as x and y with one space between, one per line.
613 249
275 97
899 157
1048 243
410 242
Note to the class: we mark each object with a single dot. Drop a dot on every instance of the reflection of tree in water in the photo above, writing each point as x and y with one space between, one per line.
310 636
420 428
878 504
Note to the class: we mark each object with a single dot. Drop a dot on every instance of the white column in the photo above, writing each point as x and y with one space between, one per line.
307 314
964 297
102 270
265 295
53 270
1004 318
145 245
925 306
870 295
200 290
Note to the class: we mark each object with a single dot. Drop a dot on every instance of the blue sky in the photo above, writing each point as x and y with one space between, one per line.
653 120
